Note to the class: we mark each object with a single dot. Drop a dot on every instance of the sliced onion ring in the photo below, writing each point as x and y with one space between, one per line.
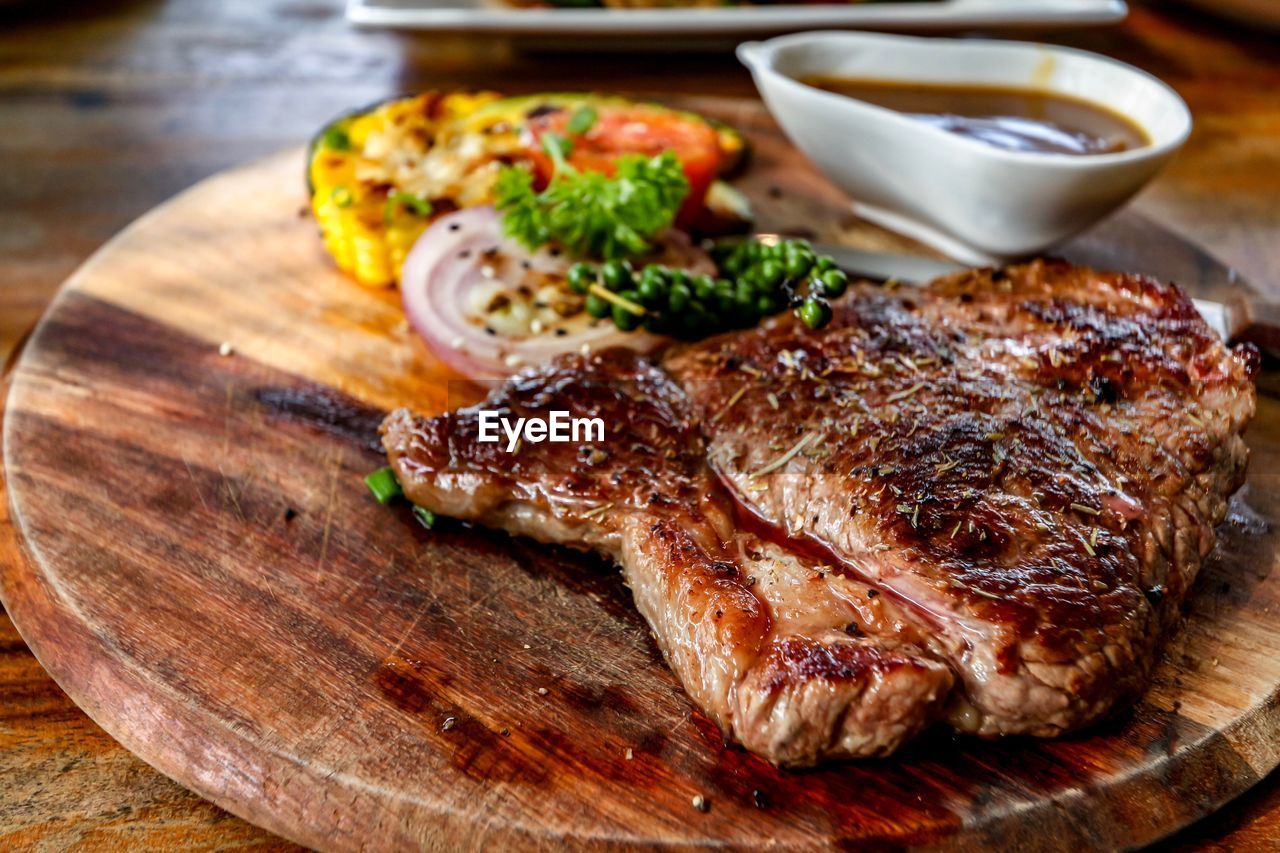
451 258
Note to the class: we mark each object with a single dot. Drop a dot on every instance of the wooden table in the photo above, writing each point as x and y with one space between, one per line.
107 111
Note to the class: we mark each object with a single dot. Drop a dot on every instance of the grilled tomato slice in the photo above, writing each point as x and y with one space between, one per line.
618 130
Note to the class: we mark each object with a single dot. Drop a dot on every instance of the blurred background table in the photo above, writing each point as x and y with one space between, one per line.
107 108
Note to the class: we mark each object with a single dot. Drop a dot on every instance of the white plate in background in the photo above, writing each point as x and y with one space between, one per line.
492 16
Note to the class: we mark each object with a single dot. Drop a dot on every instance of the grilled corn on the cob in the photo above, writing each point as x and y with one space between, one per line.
378 176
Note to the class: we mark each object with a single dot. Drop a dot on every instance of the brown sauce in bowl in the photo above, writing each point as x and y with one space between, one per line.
1014 119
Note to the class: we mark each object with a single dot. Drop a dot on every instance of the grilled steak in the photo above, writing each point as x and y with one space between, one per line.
980 502
759 636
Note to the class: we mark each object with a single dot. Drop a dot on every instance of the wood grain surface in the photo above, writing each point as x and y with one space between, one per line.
206 577
109 108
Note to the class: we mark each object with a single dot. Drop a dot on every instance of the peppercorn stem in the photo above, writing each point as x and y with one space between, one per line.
609 296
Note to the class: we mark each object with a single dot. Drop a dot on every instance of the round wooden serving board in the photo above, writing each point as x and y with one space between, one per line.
194 558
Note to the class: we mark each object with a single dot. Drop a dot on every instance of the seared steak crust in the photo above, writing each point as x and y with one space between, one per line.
982 501
1034 458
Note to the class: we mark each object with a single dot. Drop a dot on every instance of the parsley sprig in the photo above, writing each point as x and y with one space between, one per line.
589 214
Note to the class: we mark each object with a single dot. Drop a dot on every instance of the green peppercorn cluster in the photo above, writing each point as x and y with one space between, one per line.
755 280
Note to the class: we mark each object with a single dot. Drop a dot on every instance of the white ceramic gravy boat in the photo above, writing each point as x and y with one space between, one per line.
973 201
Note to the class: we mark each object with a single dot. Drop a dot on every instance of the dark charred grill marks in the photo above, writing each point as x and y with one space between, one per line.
1024 450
